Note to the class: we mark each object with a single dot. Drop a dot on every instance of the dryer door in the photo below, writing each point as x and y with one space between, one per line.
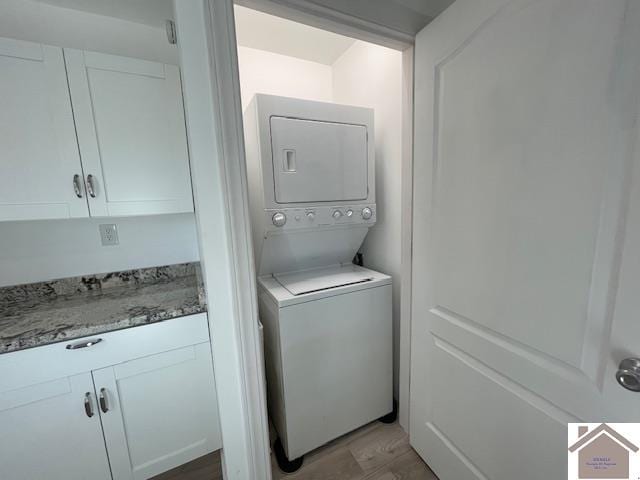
317 161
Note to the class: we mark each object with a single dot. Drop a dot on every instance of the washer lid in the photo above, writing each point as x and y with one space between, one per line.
308 281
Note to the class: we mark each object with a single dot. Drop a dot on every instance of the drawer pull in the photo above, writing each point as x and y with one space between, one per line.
85 344
88 409
103 400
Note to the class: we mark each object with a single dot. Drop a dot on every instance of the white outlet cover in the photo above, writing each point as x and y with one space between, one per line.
109 234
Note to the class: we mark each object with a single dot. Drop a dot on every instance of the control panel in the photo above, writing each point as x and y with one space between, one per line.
315 217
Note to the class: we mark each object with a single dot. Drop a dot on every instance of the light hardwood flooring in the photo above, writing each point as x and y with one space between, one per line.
208 467
373 452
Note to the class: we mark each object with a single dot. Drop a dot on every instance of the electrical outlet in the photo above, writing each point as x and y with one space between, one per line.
109 234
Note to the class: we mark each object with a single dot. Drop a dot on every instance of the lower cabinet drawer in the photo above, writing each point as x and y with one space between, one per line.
50 362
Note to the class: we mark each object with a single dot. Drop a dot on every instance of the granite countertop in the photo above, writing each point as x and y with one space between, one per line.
41 313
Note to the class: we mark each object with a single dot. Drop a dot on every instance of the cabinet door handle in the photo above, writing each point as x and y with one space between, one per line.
90 186
85 344
103 400
88 408
77 187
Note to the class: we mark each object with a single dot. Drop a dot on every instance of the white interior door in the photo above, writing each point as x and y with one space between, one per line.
131 131
526 231
39 158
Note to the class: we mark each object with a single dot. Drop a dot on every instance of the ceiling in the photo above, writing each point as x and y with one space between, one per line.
405 16
261 30
393 23
253 29
429 8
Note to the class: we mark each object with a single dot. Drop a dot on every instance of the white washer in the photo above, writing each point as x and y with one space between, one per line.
328 351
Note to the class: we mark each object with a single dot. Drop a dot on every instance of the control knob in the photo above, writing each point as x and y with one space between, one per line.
367 213
279 219
337 214
349 213
311 216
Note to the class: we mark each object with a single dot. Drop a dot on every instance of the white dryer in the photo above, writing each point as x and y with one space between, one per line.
327 322
311 171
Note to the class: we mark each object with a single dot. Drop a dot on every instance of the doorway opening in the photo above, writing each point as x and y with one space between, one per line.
279 57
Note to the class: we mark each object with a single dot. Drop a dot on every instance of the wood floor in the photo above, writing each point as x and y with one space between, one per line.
374 452
208 467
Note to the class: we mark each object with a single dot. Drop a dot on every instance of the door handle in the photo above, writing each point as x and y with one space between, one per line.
76 185
628 374
103 400
88 408
91 186
289 161
85 344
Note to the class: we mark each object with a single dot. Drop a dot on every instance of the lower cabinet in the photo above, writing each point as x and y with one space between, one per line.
131 420
52 430
158 412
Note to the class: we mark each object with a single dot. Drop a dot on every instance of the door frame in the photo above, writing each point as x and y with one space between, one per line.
208 59
206 41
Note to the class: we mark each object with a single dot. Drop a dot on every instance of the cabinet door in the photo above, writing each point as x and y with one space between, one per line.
48 431
159 411
131 131
39 150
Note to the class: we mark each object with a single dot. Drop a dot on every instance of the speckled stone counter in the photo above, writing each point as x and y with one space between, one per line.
41 313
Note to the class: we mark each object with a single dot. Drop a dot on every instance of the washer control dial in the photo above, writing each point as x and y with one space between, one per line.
311 216
337 214
279 219
367 213
349 213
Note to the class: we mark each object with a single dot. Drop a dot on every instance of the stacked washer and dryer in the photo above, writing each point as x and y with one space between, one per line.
327 322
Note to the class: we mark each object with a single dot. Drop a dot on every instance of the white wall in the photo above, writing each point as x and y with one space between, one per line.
371 76
266 72
43 250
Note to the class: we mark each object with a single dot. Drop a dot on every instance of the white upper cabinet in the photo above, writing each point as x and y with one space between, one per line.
39 158
131 132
